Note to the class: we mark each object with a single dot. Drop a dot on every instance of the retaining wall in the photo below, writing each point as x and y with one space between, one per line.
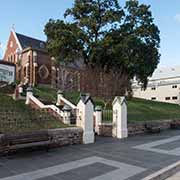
134 128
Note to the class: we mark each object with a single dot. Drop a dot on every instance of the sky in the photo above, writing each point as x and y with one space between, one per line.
29 18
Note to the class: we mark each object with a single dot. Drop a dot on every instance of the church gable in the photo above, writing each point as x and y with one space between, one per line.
11 48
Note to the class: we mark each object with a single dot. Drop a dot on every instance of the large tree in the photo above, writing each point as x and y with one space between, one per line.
104 35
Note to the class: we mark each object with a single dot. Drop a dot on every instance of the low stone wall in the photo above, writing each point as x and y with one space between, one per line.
60 137
134 128
105 129
139 127
66 136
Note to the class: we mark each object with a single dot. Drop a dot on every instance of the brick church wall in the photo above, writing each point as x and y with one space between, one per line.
89 81
43 59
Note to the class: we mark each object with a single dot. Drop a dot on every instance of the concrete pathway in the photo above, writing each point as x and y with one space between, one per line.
130 159
175 177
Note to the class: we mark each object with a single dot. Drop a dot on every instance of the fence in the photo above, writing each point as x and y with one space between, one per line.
107 115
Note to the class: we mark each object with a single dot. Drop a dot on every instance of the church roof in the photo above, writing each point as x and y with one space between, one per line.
26 42
165 73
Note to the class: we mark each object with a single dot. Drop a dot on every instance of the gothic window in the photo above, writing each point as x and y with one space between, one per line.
24 71
14 58
43 72
11 58
11 44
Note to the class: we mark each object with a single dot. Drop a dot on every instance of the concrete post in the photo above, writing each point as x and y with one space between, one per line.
98 118
59 95
29 92
120 129
67 114
85 118
16 93
20 89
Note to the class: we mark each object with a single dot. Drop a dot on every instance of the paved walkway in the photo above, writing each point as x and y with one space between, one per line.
130 159
175 177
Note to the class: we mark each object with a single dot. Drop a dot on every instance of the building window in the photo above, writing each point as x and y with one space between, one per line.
167 98
43 72
153 88
11 58
153 98
174 97
24 71
14 58
174 86
11 44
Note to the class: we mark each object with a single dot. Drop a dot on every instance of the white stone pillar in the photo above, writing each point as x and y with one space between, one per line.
120 129
20 89
85 118
98 118
67 114
29 92
59 95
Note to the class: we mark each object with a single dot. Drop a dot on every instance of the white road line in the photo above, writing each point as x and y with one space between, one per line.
124 171
151 146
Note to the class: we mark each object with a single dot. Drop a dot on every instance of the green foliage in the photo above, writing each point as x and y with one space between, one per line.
45 94
122 40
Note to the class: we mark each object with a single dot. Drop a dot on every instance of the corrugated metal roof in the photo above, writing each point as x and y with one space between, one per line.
164 73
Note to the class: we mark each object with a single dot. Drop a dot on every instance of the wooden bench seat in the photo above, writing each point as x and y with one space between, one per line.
27 140
152 128
175 125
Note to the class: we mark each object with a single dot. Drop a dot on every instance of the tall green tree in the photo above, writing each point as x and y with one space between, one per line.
125 41
134 47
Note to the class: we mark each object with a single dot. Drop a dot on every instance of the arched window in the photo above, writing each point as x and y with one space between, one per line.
11 58
14 58
24 71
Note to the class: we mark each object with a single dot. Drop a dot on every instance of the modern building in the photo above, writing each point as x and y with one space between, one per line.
33 64
163 86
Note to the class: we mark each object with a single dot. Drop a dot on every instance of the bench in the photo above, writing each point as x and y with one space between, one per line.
27 140
175 125
152 128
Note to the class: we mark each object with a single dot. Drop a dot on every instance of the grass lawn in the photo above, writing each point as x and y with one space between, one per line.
15 116
138 109
143 110
45 93
50 95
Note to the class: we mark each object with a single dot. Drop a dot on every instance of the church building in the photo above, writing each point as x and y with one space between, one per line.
33 64
34 67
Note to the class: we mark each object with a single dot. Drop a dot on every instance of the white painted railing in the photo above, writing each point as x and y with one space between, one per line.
68 103
42 106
